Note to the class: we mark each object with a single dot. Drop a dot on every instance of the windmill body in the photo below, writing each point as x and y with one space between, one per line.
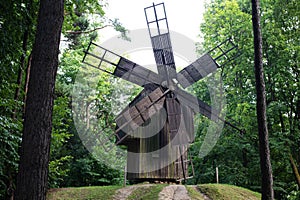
158 125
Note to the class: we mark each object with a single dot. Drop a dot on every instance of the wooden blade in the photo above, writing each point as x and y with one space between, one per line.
116 65
135 115
160 38
163 55
196 71
206 64
201 107
197 105
135 73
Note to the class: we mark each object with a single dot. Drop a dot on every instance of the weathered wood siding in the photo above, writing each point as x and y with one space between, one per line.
168 160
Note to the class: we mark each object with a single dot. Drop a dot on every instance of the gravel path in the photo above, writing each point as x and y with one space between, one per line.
174 192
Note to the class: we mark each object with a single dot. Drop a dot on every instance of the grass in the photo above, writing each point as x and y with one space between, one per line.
146 193
228 192
194 194
214 191
83 193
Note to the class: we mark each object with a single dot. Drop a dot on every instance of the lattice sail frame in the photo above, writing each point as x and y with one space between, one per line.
160 39
119 66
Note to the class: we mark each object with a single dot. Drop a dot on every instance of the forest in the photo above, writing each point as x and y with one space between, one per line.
236 154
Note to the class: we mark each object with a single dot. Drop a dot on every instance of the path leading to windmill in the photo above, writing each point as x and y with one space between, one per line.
174 192
171 192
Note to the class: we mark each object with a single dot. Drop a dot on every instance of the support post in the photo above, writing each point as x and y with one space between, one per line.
182 164
125 175
217 175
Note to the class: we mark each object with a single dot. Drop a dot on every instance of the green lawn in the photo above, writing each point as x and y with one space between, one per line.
228 192
146 193
194 194
83 193
214 191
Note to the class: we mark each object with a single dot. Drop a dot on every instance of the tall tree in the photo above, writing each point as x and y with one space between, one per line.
264 150
33 168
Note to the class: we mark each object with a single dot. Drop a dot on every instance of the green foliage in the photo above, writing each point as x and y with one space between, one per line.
60 160
237 155
71 164
58 170
10 139
18 20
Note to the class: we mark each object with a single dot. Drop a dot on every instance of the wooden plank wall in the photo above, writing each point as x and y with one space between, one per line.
158 159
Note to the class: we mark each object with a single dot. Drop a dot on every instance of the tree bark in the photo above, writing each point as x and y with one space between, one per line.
295 170
34 152
265 162
26 82
20 72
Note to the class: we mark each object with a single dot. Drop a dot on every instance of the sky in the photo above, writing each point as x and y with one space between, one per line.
184 17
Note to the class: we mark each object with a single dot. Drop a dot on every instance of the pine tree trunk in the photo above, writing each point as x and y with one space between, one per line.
27 76
34 153
295 170
265 162
23 59
20 72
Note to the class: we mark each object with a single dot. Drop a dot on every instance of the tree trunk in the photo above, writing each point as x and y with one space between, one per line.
265 163
295 170
23 58
26 82
34 152
20 72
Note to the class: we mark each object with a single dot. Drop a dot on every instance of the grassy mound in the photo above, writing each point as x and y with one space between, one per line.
194 193
91 193
228 192
146 193
213 191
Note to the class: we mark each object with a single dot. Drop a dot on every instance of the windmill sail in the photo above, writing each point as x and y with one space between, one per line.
197 105
208 63
197 70
135 115
114 64
160 38
203 108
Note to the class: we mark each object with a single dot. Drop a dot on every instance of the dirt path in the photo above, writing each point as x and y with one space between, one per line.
170 192
174 192
123 193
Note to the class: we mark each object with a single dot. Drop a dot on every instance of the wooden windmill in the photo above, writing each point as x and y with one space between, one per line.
161 99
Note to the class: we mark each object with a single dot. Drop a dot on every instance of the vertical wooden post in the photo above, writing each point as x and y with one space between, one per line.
182 164
217 174
125 175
